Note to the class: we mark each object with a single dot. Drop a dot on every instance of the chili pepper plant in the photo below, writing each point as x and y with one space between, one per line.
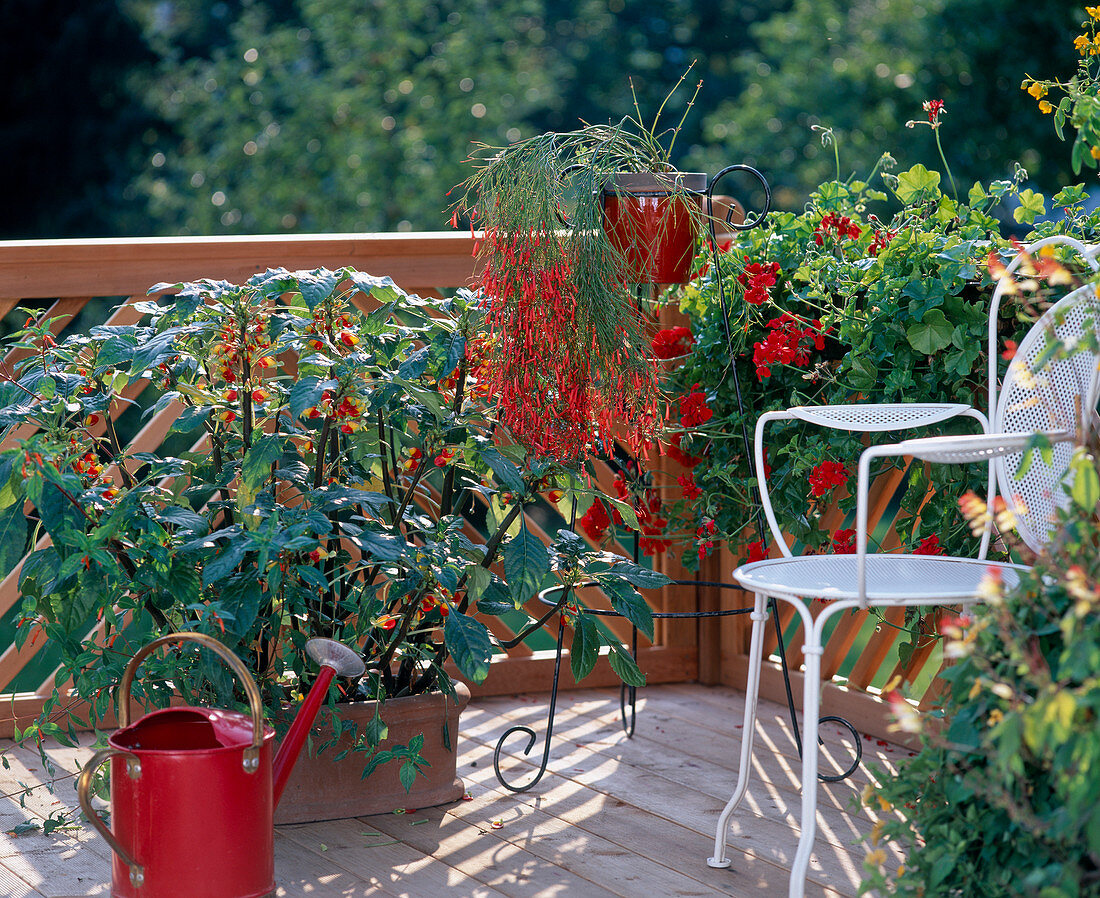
332 466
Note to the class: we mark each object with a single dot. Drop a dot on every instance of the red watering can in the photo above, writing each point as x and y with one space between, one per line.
193 790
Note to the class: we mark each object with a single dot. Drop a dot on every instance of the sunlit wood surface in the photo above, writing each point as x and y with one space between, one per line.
611 817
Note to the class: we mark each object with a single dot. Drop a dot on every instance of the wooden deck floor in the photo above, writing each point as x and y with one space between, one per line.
612 817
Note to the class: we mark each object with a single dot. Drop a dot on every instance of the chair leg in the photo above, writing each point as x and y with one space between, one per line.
759 617
811 704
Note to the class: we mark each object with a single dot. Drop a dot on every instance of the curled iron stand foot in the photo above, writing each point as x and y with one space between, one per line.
530 733
836 778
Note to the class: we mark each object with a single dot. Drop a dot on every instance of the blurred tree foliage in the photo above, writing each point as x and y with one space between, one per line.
864 67
254 116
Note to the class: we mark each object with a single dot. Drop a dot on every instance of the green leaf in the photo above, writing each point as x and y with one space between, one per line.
222 565
375 730
415 365
407 774
1070 196
624 666
642 577
1086 482
930 335
13 536
307 392
256 467
505 470
469 644
585 650
1032 205
629 603
526 564
913 184
862 372
478 580
190 419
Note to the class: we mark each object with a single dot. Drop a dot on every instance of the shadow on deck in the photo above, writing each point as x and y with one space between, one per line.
612 817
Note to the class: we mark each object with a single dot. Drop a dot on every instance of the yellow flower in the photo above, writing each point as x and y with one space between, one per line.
995 717
876 831
1038 90
875 858
1081 42
901 869
1094 152
1093 11
1046 107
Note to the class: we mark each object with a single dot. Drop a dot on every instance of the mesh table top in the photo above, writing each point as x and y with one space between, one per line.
890 578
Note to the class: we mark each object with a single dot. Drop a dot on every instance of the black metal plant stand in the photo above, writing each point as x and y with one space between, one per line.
628 694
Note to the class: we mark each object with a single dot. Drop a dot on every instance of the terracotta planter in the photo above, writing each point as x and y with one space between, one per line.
651 218
323 789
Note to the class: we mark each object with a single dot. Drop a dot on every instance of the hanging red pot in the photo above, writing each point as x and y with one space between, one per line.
650 217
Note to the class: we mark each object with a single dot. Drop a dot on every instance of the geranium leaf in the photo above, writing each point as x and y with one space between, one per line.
932 334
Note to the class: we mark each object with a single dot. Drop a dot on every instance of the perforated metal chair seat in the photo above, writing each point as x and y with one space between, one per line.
890 578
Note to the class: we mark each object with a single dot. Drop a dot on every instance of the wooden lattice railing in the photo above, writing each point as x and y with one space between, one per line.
75 278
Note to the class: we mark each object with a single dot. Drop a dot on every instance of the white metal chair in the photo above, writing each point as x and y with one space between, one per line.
1067 393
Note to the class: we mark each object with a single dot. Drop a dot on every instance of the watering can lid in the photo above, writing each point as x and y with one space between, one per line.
172 729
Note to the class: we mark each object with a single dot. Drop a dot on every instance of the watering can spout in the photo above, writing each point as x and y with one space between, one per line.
335 659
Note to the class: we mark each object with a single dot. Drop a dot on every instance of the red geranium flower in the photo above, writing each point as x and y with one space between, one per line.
693 408
678 455
930 545
826 476
844 542
672 342
595 521
687 484
757 552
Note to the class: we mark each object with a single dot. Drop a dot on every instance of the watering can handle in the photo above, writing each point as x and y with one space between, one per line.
255 702
84 794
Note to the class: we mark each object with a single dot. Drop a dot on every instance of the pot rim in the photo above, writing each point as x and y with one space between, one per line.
655 183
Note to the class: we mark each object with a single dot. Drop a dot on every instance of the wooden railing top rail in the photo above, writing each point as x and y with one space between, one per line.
126 266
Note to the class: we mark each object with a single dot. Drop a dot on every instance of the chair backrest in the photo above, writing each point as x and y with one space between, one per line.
1046 392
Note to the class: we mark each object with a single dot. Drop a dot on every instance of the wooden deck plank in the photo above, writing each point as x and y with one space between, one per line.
11 886
500 863
612 818
595 753
597 820
395 865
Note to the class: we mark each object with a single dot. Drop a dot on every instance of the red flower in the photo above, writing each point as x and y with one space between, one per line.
672 342
596 522
757 552
844 542
835 227
788 342
930 545
693 409
687 484
935 109
756 279
703 534
678 455
826 476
